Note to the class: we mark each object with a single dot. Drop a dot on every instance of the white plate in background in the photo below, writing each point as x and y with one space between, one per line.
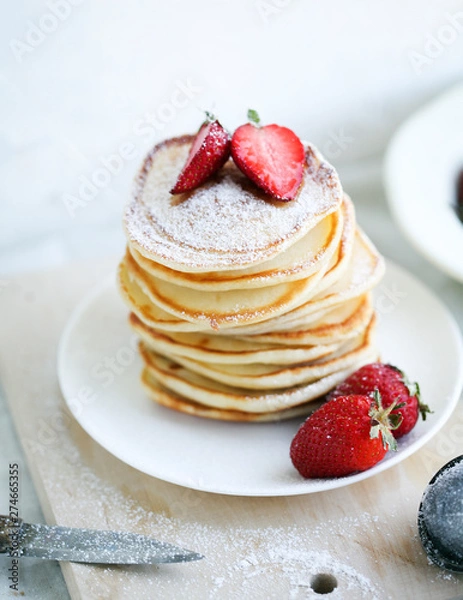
421 167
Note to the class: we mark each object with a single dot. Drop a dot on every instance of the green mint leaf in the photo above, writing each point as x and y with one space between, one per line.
253 116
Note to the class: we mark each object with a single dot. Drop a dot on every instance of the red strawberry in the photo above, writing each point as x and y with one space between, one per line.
273 157
393 386
209 152
345 435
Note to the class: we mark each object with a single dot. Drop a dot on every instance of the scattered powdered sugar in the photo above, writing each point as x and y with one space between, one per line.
226 222
240 561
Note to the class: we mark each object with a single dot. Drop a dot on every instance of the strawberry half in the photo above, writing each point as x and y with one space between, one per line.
393 386
273 157
209 152
345 435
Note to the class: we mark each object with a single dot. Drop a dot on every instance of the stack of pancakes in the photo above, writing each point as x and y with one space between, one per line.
248 308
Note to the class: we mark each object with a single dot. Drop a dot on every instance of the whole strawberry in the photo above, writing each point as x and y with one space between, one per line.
345 435
209 152
393 386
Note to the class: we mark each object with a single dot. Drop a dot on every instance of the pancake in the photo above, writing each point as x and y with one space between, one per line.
207 392
267 376
154 317
225 349
236 307
340 323
300 260
226 223
156 302
227 308
147 311
340 262
364 271
174 401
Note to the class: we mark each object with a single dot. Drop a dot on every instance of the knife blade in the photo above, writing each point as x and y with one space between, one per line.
54 542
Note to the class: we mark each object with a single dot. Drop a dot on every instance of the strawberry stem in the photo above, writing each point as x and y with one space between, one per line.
381 421
210 117
413 388
253 116
422 407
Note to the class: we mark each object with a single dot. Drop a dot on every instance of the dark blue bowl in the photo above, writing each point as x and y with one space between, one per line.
440 517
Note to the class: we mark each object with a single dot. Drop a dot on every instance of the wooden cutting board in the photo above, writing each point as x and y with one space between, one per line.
360 541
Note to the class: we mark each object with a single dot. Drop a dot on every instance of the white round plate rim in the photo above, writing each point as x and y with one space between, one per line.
292 488
428 143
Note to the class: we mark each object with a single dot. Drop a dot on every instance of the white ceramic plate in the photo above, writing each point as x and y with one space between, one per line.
99 376
421 167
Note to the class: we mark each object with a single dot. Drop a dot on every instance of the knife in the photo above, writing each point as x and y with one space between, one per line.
86 545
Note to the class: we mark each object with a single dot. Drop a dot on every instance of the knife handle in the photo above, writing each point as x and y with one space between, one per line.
8 528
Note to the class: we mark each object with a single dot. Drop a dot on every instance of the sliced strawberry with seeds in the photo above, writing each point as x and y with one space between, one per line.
273 157
209 152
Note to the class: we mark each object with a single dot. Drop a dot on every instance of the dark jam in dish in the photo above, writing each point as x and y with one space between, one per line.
459 196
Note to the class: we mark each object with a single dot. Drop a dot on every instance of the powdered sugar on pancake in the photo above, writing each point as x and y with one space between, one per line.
227 223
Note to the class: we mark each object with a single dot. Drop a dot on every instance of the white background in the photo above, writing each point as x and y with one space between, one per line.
79 78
